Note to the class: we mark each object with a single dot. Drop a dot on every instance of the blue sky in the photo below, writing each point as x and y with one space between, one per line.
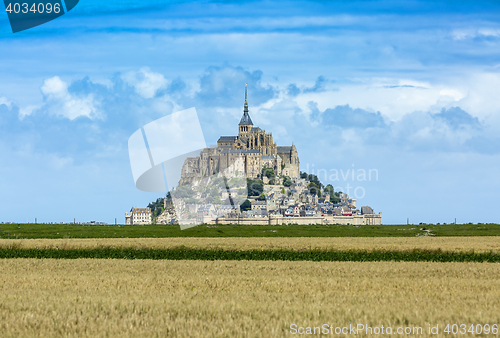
408 90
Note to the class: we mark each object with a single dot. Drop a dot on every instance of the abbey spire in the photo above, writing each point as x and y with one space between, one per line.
246 120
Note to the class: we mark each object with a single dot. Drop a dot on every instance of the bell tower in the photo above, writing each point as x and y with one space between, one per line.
246 123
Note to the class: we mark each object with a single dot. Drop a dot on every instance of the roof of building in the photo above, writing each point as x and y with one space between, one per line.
254 129
366 210
240 151
206 207
245 119
228 138
284 149
136 210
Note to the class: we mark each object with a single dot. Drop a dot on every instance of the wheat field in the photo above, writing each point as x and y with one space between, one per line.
146 298
452 244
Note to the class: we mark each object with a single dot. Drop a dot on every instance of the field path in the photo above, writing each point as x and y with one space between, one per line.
453 244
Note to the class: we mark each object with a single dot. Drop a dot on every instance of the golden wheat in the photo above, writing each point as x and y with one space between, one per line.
453 244
123 298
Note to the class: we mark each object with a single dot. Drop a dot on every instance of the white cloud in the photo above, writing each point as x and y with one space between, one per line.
454 94
145 82
482 97
54 88
24 111
392 102
74 108
476 93
280 109
464 34
5 101
61 102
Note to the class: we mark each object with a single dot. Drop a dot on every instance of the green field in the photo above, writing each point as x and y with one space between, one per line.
252 255
20 231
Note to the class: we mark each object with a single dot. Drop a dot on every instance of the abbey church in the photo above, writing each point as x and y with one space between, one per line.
251 151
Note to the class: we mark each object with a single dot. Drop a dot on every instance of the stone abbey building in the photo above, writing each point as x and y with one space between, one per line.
251 151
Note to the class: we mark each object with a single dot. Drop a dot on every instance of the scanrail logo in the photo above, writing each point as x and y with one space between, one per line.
158 153
25 14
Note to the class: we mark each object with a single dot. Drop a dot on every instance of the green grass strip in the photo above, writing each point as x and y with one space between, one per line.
20 231
256 255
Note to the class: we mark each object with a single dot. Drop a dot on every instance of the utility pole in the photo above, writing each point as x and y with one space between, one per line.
35 220
115 220
455 221
407 221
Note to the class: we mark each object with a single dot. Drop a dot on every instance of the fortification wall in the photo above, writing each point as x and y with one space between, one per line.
375 219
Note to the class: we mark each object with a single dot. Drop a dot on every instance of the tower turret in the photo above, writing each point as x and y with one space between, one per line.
246 123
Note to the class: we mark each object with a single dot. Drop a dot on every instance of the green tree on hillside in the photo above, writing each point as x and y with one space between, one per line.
314 179
313 188
254 187
334 196
287 181
156 208
268 172
246 205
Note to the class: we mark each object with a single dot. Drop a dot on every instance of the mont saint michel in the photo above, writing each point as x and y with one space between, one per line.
249 179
